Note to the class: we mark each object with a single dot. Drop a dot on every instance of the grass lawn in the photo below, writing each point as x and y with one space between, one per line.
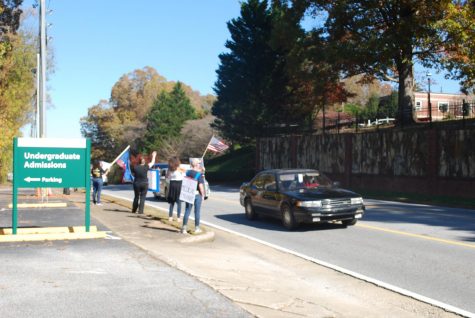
233 167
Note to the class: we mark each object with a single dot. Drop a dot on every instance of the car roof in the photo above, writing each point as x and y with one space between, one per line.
285 171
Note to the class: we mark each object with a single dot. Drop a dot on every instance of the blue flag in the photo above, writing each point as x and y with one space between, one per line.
124 163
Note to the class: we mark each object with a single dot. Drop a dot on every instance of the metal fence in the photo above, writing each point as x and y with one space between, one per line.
451 111
455 114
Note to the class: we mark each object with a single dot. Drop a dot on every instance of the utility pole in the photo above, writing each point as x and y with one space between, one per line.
42 70
37 113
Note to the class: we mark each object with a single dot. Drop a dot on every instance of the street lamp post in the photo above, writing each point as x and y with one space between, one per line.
428 99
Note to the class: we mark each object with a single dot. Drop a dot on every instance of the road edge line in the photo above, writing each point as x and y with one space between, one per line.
342 270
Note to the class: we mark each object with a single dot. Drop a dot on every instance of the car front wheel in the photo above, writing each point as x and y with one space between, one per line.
250 212
288 219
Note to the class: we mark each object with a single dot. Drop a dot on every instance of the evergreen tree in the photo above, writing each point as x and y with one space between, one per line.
251 85
167 117
182 105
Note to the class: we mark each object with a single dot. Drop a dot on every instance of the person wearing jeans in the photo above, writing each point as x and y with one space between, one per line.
97 172
196 174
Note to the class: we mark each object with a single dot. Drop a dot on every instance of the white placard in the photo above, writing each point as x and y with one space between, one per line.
153 180
188 190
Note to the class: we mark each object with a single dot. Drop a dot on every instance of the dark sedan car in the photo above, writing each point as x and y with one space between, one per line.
299 196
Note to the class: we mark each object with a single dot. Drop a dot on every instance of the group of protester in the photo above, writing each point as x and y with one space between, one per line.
175 175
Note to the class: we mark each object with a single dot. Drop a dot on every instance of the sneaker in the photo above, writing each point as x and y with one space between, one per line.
178 220
198 230
99 204
170 219
183 230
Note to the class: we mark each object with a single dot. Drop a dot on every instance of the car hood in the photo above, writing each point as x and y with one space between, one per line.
321 193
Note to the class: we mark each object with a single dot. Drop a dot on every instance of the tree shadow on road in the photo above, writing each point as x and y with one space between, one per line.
454 219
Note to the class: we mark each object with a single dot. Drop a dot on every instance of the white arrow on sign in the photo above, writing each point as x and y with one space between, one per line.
29 179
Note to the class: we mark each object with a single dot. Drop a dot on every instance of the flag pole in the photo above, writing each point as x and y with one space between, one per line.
204 153
120 155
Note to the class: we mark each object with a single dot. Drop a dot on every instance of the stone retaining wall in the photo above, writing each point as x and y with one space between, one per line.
428 161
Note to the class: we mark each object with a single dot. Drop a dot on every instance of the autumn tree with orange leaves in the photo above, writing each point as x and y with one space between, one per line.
384 39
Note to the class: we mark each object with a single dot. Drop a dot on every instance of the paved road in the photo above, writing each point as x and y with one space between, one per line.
89 278
427 250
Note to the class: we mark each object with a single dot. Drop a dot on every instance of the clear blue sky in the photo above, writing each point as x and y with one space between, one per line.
97 41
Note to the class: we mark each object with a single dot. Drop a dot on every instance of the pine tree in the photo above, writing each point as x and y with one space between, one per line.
166 118
250 79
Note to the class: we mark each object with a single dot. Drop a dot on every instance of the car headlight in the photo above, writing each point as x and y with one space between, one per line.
309 204
357 200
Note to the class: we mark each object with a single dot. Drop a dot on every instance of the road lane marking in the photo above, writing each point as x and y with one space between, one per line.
225 200
351 273
425 237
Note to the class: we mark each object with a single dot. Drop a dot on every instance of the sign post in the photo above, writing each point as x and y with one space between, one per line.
87 181
50 163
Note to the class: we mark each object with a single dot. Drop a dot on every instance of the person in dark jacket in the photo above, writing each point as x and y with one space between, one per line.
174 177
141 183
97 172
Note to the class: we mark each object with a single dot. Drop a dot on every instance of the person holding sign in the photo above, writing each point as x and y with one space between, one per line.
141 183
192 192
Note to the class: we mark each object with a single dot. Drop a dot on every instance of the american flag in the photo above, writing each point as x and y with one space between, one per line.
217 145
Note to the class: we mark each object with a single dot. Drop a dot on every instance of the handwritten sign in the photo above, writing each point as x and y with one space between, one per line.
188 190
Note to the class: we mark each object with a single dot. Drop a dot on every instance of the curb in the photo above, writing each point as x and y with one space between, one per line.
50 234
206 236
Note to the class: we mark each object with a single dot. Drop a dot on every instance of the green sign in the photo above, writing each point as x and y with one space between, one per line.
50 163
37 166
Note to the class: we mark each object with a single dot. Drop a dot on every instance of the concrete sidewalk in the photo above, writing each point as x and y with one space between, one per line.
93 277
260 279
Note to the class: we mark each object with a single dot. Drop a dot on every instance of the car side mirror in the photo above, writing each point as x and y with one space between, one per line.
336 184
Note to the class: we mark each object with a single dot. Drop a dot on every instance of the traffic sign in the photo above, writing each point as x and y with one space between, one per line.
51 163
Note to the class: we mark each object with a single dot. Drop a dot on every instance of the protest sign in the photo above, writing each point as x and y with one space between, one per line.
188 190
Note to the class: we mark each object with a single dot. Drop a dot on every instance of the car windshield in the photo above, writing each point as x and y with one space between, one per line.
303 180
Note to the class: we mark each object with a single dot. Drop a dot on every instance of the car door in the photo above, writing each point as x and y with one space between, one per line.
270 196
256 190
163 183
